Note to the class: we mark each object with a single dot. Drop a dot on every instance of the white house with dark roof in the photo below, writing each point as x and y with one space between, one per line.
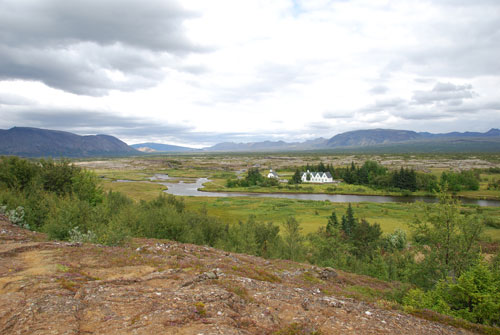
272 174
316 177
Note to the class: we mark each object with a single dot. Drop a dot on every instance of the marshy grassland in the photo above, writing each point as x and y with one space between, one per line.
311 214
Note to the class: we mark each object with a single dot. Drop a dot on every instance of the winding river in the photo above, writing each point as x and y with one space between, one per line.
191 189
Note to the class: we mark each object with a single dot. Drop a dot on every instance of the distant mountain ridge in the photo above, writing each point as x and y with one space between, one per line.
35 142
159 147
374 138
371 137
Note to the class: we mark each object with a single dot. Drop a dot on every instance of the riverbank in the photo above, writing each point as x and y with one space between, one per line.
339 189
311 211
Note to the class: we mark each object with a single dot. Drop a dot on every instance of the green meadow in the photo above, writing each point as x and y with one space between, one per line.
311 214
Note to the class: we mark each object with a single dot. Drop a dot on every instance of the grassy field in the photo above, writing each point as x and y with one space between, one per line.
219 185
311 214
220 167
136 190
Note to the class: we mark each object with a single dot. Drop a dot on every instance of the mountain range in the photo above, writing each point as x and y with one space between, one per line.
34 142
159 147
369 139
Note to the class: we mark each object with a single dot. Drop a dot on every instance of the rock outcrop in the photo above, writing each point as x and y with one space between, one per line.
164 287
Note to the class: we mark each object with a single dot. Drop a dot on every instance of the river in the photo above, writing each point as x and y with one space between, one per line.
191 189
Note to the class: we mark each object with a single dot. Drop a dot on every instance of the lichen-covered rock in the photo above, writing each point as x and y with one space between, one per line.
327 274
172 288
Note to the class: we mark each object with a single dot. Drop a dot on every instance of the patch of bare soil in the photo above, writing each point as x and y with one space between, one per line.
164 287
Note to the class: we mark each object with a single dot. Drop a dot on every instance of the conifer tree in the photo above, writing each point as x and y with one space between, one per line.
332 224
296 177
349 221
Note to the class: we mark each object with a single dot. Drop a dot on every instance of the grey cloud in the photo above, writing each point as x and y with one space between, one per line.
444 92
83 72
77 46
90 122
268 79
318 126
444 111
410 114
128 129
337 115
379 89
464 42
14 100
151 24
424 80
384 104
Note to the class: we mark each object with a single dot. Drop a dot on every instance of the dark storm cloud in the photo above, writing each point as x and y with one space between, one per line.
76 45
444 92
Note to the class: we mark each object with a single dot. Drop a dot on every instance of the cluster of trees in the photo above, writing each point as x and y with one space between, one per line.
377 176
374 175
461 181
253 178
443 263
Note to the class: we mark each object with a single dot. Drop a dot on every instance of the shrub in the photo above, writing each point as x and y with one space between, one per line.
75 235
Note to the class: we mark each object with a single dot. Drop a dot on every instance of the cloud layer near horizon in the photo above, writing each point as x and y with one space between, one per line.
197 72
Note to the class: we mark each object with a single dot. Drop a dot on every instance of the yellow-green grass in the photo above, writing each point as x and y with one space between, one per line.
145 174
219 185
483 192
136 175
314 214
311 214
136 190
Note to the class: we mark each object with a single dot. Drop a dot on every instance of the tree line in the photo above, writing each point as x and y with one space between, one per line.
374 175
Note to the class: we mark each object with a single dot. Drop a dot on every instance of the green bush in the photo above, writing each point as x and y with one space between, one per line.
474 297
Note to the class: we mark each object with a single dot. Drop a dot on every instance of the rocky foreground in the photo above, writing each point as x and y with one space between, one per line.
163 287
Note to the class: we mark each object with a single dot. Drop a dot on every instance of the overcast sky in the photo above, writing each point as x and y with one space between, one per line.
198 72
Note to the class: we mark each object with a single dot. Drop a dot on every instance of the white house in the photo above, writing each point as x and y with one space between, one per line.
316 177
272 174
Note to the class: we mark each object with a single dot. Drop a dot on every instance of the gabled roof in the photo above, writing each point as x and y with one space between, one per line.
317 174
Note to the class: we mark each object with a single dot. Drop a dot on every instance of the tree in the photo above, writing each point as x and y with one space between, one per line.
474 296
333 223
293 240
349 221
447 239
366 238
254 177
296 178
